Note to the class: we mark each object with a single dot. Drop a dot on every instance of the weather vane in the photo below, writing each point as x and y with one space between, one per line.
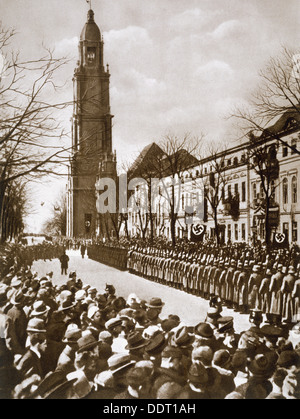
90 3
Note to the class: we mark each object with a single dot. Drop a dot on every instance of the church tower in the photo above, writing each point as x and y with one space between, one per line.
91 131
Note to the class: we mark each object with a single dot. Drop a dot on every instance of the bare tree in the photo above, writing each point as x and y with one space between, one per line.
178 158
214 185
277 95
57 224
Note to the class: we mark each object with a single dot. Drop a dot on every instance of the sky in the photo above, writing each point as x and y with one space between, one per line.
177 66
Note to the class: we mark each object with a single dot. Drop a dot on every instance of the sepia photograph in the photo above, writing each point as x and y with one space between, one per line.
149 202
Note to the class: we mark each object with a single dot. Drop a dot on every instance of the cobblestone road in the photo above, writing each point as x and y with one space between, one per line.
189 308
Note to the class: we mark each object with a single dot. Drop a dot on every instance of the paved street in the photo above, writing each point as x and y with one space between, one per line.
189 308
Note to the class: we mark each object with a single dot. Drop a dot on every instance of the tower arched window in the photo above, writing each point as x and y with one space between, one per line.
285 192
294 190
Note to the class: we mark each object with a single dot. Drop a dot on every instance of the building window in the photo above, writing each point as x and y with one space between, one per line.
285 196
91 54
229 232
243 191
235 161
294 190
236 189
229 162
285 229
236 231
261 191
229 191
294 145
254 191
243 232
294 231
284 151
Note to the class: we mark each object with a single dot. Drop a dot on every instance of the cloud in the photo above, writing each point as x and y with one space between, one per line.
192 20
215 71
67 46
228 29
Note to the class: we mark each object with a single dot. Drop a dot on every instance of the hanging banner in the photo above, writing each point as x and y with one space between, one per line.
197 232
280 241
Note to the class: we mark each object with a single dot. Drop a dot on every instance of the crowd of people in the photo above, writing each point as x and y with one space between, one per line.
71 341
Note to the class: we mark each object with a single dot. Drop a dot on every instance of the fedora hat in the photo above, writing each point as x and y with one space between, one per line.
114 322
156 344
54 385
221 357
86 342
17 297
39 308
135 341
66 305
204 330
262 365
171 352
80 295
197 374
105 337
182 338
72 336
36 325
213 312
155 303
118 362
271 331
15 282
225 323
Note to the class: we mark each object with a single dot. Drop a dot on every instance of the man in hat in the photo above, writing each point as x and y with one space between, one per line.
136 345
171 368
31 361
85 365
119 365
115 328
16 325
226 335
153 351
138 382
154 308
222 362
204 336
261 369
67 357
183 339
96 320
196 387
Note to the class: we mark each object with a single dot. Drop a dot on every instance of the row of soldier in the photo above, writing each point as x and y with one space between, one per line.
241 284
